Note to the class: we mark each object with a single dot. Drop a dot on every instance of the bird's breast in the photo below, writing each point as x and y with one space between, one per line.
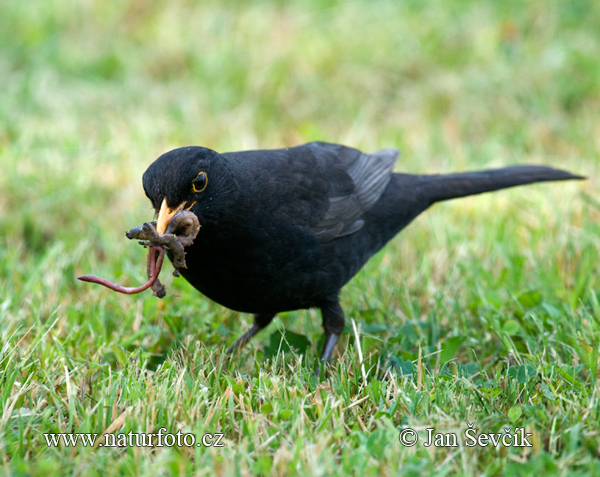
268 274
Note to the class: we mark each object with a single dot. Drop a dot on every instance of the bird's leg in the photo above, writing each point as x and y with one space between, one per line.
260 321
333 323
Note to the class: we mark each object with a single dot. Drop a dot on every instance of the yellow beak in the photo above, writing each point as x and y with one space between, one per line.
165 215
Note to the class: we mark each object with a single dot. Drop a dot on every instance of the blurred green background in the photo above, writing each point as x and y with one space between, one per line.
92 92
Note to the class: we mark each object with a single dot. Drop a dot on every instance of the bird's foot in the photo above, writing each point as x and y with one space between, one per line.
330 342
242 340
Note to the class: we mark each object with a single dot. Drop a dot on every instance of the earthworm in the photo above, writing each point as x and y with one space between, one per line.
153 270
186 225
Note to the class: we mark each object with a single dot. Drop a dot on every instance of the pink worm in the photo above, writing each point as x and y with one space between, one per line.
153 270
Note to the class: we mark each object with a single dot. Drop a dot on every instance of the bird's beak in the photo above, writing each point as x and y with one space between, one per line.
166 213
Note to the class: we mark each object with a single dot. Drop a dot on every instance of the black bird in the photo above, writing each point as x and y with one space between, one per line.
286 229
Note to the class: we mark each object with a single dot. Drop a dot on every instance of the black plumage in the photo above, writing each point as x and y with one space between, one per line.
286 229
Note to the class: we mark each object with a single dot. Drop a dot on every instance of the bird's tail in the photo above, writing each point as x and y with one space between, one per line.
451 186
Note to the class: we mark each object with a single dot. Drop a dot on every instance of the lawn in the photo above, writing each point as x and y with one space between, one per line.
484 312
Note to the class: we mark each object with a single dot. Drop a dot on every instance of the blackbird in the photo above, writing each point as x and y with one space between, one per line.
286 229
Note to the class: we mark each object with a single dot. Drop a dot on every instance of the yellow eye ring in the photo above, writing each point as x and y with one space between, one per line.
200 182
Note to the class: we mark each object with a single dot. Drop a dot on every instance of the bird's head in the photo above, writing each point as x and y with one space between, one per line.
188 178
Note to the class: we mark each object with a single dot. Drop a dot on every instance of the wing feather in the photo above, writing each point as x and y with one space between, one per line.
357 181
325 188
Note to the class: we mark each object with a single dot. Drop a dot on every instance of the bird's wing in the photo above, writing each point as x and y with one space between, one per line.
337 184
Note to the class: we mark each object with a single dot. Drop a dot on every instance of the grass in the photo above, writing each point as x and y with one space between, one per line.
485 310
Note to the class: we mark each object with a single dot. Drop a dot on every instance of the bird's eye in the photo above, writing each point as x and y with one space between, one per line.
200 182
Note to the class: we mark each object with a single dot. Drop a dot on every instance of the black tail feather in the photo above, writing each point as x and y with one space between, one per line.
451 186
